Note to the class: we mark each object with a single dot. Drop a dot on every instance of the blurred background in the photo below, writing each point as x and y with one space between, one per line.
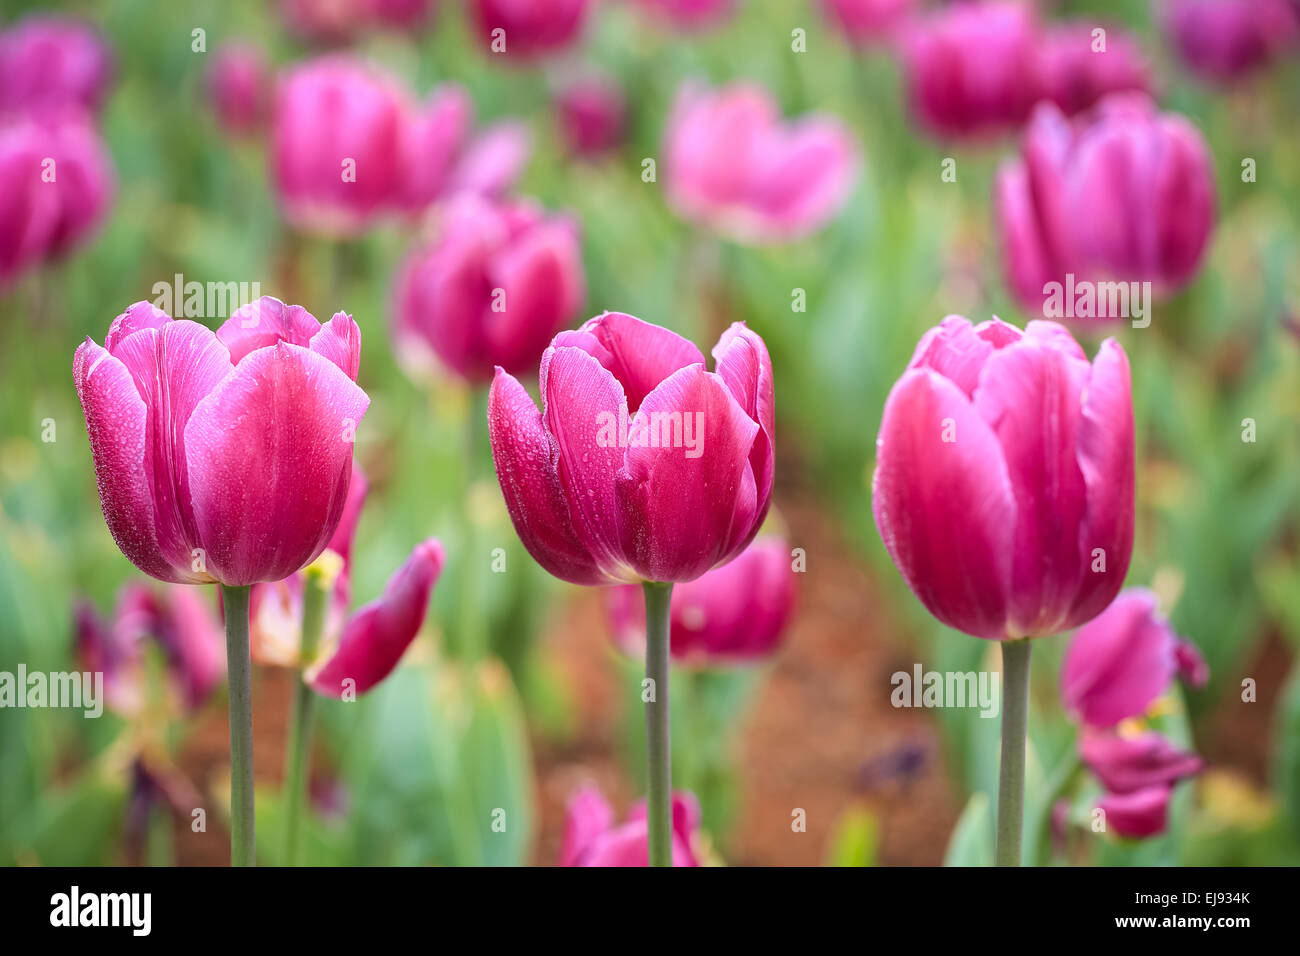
410 773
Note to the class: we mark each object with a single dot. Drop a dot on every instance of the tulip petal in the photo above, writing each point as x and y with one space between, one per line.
140 315
640 355
744 364
264 322
1142 813
541 275
1128 764
587 816
958 350
339 340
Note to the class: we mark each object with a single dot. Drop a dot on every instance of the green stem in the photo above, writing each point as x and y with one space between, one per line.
659 773
1011 770
471 640
240 675
298 750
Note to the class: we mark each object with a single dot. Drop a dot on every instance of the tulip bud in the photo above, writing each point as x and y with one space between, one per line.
50 62
525 31
240 85
1225 40
592 838
591 115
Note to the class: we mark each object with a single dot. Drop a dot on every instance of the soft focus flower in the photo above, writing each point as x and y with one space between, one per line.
1004 477
526 29
1126 764
733 165
971 69
642 465
50 62
433 138
864 22
689 14
734 613
493 161
222 456
1137 815
1123 193
1123 659
401 14
240 87
1224 40
591 114
1075 74
325 21
593 838
497 281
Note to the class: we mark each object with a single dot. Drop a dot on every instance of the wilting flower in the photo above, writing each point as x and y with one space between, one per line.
733 165
362 648
593 838
864 22
1075 73
177 619
591 115
1124 193
497 281
1225 40
642 465
734 613
971 69
1123 659
689 14
240 87
530 29
50 62
222 456
1004 477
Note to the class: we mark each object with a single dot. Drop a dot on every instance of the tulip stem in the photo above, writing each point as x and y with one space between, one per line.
240 671
302 713
1011 770
471 642
658 597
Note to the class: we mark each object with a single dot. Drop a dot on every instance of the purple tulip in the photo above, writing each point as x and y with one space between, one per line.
1225 40
1074 75
50 62
642 465
689 14
1127 764
1004 477
239 85
593 838
591 115
732 614
1137 815
1123 659
491 289
864 22
971 69
732 165
527 29
1124 193
222 457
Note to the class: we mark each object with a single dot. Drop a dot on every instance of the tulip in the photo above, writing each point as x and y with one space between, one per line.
732 165
864 22
491 289
1123 659
592 838
1225 40
971 68
734 613
1125 193
239 85
527 29
689 14
1127 764
492 161
1075 73
642 466
29 208
591 114
434 137
51 62
1139 814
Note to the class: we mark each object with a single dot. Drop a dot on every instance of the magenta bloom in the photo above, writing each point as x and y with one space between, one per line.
1074 76
433 138
732 614
1123 659
491 289
1139 814
527 29
1004 477
1124 193
864 22
642 465
971 69
734 166
30 209
1225 40
1127 764
222 457
51 62
689 14
592 838
239 85
591 114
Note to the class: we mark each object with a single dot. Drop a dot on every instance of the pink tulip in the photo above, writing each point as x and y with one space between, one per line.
602 485
1123 659
971 68
864 22
50 62
1137 815
493 161
1004 477
1128 764
1075 74
29 208
222 457
689 14
527 29
491 289
1123 193
732 614
1224 40
592 838
240 87
732 165
591 114
434 137
339 135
